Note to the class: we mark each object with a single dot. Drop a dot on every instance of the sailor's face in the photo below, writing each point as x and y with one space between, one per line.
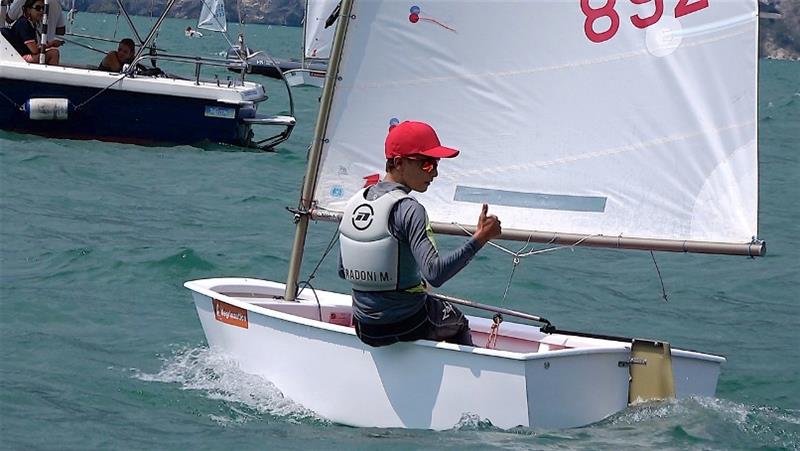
419 172
125 53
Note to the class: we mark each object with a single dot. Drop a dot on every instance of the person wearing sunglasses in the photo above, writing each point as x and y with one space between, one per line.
24 35
56 19
387 250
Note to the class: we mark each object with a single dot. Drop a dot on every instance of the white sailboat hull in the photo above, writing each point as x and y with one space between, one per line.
530 379
305 77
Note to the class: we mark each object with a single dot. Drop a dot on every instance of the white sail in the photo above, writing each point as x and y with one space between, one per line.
212 16
578 116
317 38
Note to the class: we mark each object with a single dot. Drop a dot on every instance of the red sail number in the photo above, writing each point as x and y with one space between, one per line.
607 10
645 22
592 14
684 7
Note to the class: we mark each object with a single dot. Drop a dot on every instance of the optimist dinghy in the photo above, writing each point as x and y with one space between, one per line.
628 125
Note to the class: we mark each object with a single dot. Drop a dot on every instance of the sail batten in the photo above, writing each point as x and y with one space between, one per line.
648 130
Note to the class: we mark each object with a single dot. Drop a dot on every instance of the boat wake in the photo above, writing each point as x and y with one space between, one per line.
703 418
219 378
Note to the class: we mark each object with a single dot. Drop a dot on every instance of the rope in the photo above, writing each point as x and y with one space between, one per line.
660 279
491 342
517 256
17 106
100 92
510 278
307 282
86 46
522 254
311 276
116 24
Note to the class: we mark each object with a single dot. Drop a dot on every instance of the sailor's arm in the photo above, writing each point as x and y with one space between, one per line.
435 268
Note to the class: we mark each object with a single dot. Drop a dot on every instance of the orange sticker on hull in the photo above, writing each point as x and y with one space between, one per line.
342 319
230 314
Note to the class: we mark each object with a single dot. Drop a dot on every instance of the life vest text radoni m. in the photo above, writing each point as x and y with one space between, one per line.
230 314
368 276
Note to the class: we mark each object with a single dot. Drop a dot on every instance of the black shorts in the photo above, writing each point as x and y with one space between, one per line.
437 320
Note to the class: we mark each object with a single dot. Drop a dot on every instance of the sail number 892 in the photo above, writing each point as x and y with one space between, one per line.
592 14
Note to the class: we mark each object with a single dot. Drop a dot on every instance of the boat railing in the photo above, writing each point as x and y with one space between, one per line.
197 61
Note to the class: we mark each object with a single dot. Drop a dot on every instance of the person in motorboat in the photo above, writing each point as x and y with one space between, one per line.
55 18
115 60
387 250
24 34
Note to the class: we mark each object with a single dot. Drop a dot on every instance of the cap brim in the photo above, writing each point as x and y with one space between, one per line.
440 152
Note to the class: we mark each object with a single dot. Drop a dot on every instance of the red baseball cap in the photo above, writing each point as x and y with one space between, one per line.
415 138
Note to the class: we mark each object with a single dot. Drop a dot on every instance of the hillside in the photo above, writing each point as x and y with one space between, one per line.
274 12
780 38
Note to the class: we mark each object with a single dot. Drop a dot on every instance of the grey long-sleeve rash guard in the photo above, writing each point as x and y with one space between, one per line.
408 223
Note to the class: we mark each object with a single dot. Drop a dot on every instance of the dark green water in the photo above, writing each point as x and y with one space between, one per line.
100 346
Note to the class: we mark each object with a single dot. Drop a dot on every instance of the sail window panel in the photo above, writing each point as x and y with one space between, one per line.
664 136
543 201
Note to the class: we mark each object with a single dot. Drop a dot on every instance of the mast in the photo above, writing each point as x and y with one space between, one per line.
315 153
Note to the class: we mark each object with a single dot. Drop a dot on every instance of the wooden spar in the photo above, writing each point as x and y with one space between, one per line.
315 153
757 248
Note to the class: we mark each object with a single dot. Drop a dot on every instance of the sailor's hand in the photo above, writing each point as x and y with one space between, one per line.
54 43
488 226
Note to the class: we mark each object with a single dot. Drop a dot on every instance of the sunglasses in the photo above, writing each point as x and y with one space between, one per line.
428 164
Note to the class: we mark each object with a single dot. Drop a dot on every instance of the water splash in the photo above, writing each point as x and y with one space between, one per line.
219 378
473 422
709 419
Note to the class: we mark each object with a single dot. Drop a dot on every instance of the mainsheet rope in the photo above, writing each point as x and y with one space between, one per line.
491 342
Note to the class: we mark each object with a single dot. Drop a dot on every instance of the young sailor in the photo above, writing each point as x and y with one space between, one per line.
388 253
115 60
